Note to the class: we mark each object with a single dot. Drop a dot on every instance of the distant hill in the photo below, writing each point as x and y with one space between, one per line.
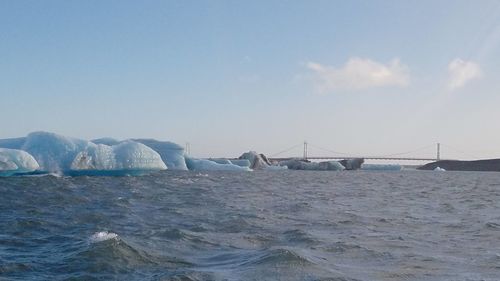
487 165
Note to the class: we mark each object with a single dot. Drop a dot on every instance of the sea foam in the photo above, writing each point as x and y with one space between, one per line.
102 236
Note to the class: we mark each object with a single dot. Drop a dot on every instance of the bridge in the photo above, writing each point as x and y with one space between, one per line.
335 155
353 157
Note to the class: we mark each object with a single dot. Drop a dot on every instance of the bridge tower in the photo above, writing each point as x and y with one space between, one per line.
438 156
305 150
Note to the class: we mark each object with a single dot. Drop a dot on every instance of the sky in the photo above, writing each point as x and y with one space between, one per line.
358 77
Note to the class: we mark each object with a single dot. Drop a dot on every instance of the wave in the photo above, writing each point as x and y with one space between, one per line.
111 257
299 236
279 256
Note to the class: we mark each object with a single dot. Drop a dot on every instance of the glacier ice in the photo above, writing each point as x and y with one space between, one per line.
194 164
56 153
14 161
298 164
237 162
106 141
125 156
53 152
14 143
259 161
241 162
220 160
171 153
439 169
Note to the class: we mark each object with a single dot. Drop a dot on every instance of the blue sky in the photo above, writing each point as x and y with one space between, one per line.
363 77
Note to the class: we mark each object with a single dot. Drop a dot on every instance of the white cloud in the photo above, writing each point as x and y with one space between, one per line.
359 74
461 72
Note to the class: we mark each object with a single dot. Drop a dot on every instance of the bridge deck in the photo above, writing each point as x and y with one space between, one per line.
366 158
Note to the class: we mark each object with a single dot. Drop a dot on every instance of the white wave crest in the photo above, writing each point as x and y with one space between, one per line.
102 236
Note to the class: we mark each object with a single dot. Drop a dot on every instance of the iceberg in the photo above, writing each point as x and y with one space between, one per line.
208 165
126 157
171 153
60 154
439 169
259 161
241 162
14 162
106 141
298 164
237 162
15 143
220 160
53 152
352 164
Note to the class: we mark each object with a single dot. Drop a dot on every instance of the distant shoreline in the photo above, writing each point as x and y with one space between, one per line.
486 165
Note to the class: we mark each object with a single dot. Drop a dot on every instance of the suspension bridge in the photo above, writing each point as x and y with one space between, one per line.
333 155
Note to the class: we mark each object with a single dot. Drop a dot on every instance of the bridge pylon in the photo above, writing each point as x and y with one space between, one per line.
305 150
438 156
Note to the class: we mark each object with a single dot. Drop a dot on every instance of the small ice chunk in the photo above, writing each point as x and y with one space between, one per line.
439 169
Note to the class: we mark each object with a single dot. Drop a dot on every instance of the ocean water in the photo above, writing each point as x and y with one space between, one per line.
280 225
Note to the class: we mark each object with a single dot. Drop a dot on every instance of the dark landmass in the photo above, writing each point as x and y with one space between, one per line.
488 165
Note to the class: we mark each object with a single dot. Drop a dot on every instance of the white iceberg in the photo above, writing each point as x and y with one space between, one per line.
171 153
60 154
13 161
125 156
208 165
54 153
439 169
106 141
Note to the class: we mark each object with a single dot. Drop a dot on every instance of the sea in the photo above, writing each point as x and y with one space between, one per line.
274 225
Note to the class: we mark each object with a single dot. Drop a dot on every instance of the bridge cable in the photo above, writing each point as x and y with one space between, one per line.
328 150
286 150
407 152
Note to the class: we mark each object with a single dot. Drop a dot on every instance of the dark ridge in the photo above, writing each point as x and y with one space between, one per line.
488 165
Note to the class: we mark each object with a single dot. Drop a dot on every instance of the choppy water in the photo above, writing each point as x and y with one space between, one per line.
288 225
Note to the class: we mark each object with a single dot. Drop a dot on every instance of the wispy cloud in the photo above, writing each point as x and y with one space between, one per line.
461 72
359 74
